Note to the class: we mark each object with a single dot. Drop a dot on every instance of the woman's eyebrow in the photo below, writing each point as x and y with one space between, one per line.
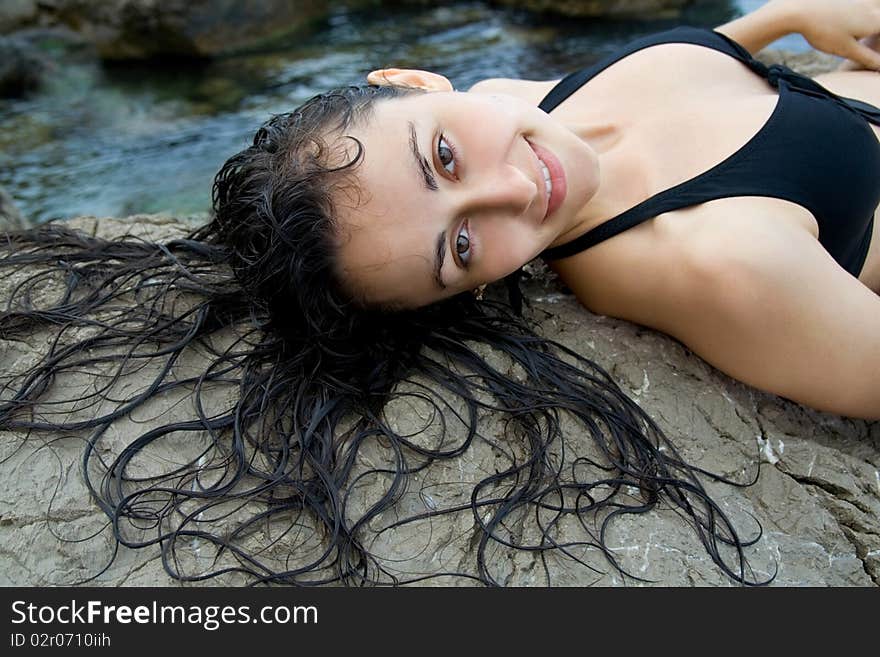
439 257
421 162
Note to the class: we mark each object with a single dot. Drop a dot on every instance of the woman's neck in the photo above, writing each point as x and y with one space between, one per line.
621 171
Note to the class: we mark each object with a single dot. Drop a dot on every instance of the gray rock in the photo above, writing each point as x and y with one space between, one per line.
135 29
810 63
10 215
15 14
21 68
817 496
603 8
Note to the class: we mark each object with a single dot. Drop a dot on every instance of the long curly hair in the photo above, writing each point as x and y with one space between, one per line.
291 383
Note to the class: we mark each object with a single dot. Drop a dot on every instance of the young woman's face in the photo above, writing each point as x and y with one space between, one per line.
451 193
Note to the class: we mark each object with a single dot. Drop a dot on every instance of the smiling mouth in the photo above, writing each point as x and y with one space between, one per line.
546 177
548 183
553 176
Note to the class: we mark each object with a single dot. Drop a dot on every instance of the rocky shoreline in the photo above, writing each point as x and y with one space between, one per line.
138 29
817 495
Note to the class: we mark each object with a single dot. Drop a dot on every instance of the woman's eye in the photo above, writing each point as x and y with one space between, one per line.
463 245
446 155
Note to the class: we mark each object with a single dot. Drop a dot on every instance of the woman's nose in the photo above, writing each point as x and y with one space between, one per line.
507 190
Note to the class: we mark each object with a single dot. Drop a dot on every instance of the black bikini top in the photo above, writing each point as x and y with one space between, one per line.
816 150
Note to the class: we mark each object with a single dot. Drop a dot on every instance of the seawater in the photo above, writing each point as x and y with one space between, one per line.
147 137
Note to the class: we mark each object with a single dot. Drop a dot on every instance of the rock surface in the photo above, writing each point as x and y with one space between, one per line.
21 67
817 495
137 29
134 29
16 14
10 215
608 8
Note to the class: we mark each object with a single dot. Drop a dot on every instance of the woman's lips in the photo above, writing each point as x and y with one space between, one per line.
557 178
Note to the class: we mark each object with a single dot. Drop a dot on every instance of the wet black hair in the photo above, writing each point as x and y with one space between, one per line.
293 386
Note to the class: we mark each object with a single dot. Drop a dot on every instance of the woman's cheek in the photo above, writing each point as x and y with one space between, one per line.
504 251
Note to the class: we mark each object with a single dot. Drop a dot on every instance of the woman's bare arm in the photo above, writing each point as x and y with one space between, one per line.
761 27
837 27
765 303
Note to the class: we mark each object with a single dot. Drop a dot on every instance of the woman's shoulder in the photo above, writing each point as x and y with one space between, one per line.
532 91
660 65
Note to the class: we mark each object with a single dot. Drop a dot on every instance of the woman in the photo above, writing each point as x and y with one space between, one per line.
343 248
768 281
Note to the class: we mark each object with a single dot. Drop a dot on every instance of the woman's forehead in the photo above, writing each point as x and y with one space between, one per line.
383 223
396 154
388 111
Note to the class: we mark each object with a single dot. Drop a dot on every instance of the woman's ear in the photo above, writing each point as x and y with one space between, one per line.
409 77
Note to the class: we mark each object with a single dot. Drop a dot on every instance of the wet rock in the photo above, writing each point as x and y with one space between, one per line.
10 215
808 63
603 8
21 67
15 14
134 29
815 502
